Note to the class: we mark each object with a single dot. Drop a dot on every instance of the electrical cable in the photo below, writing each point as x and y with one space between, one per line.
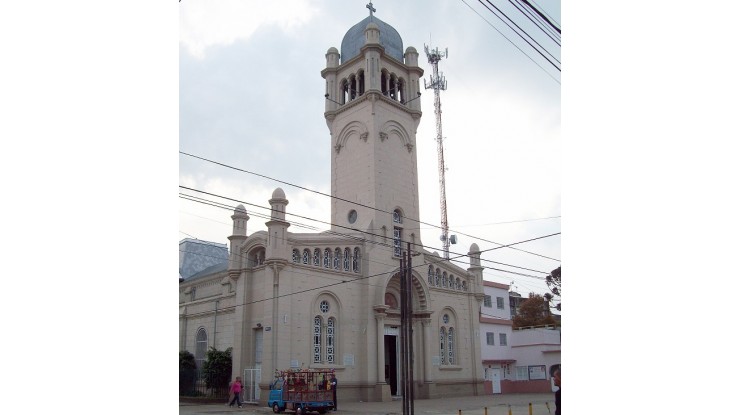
512 43
332 197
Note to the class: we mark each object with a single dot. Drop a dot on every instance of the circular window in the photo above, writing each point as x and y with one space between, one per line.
352 216
446 318
324 306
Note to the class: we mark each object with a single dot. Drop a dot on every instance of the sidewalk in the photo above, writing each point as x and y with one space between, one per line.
468 405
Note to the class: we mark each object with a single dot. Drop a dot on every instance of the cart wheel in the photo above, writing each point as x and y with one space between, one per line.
276 408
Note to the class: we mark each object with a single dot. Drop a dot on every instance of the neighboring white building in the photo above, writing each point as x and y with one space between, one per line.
330 300
514 361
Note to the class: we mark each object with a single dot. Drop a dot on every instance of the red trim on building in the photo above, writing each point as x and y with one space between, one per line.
496 285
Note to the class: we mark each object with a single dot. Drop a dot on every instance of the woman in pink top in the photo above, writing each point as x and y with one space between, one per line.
236 389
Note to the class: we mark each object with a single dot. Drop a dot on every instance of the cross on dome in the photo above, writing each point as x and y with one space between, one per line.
371 8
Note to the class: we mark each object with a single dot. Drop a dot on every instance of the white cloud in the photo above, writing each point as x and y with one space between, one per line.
205 23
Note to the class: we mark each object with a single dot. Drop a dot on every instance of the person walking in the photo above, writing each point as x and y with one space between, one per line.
556 378
236 389
333 384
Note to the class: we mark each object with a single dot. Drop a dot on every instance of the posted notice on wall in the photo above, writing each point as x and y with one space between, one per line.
537 372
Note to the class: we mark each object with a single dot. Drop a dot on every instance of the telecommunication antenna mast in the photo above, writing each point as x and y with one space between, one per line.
438 82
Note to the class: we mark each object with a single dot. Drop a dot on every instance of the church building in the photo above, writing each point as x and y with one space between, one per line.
331 299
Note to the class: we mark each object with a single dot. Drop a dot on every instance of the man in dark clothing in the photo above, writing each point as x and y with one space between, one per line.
333 383
556 378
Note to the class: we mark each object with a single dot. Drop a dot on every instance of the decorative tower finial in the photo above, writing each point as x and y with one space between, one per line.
371 8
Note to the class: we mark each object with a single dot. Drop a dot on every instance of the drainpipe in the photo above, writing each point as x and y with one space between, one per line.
215 314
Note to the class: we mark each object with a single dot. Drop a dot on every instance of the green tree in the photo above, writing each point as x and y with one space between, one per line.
187 371
554 284
533 311
217 368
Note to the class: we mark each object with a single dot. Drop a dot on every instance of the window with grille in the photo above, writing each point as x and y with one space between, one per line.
330 340
356 260
327 257
444 279
442 354
317 257
397 216
306 256
347 257
317 339
337 257
437 277
397 241
431 275
296 256
522 373
451 346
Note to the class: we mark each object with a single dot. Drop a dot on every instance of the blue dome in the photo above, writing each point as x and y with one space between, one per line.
354 39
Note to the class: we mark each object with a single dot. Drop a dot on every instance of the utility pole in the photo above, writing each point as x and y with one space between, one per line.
407 332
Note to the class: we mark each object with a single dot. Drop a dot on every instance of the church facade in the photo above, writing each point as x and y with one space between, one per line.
331 299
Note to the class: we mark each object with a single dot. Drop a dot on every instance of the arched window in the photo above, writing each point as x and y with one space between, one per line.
356 260
327 258
317 257
431 276
397 217
330 326
325 335
442 338
451 346
344 97
347 257
457 284
393 93
306 256
296 256
337 257
464 286
317 339
444 279
201 345
361 82
384 82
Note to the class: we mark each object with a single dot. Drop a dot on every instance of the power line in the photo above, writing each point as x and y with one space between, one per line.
520 35
332 197
512 43
547 18
385 245
527 14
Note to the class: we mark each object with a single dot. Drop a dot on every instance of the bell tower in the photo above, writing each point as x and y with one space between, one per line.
372 111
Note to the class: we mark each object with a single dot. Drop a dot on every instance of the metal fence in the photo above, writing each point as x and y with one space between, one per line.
251 389
193 383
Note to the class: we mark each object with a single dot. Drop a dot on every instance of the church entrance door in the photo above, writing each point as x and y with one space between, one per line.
391 361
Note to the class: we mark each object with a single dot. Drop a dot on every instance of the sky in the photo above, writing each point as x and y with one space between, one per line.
251 97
